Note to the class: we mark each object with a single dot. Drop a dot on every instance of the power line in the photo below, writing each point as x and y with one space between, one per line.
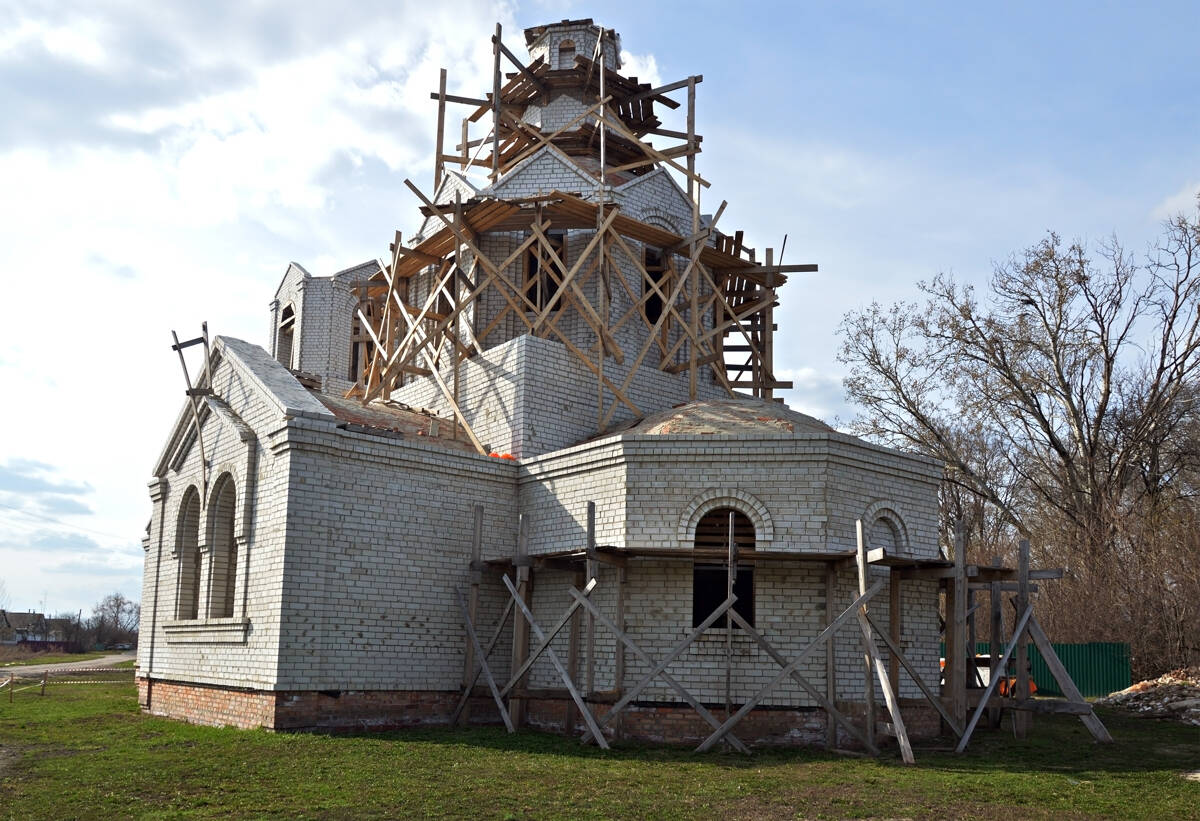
61 523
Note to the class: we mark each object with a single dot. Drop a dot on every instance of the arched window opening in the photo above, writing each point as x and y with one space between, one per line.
566 54
541 273
656 267
883 534
283 338
187 551
360 354
222 552
710 574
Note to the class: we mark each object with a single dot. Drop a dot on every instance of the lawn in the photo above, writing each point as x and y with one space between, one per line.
87 752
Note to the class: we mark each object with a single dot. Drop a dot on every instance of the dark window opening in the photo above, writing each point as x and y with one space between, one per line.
283 339
541 273
656 267
709 574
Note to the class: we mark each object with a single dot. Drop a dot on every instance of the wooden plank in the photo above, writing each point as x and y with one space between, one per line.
1066 683
487 651
574 648
1021 721
476 576
830 656
930 696
995 638
895 623
868 677
1018 630
586 713
496 103
624 640
487 672
544 641
876 658
520 641
441 131
827 704
956 630
590 681
665 662
786 672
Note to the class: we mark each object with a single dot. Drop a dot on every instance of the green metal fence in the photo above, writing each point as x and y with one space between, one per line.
1097 668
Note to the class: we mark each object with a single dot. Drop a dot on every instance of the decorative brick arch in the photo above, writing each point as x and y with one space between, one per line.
740 500
889 512
661 219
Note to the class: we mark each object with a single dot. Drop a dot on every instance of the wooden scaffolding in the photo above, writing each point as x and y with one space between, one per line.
700 301
950 702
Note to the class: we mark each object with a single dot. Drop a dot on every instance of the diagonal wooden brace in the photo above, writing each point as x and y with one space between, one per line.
644 657
786 672
675 653
916 676
804 683
588 718
462 701
545 642
994 679
487 672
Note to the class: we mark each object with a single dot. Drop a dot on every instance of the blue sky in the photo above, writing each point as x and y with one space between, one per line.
161 164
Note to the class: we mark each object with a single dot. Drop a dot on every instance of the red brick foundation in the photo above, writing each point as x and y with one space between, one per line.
367 710
339 710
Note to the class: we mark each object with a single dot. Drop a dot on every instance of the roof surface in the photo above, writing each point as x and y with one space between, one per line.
397 418
725 417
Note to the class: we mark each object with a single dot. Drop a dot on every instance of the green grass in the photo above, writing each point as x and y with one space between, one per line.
86 752
53 658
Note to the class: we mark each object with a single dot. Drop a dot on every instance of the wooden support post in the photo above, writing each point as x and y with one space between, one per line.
730 573
895 624
868 674
441 132
590 681
972 642
956 630
496 105
995 639
573 657
876 660
830 656
619 675
1022 719
475 573
520 645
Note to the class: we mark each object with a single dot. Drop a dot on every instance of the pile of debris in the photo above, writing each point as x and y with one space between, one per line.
1175 695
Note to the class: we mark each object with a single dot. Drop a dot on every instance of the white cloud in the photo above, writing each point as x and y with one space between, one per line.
642 66
1181 202
297 150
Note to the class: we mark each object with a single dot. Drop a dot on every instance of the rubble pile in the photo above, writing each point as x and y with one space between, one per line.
1174 695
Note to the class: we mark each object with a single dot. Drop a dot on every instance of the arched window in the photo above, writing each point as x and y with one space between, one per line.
566 54
656 266
283 337
709 571
187 551
222 548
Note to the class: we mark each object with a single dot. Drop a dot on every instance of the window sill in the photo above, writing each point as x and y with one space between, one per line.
207 631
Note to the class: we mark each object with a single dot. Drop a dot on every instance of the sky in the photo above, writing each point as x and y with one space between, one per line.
161 163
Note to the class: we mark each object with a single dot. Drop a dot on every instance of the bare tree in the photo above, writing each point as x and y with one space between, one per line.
115 619
1062 402
3 596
